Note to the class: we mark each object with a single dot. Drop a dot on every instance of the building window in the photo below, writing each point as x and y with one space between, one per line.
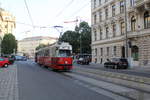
107 51
100 2
95 17
106 13
122 28
94 3
113 10
5 26
107 32
101 61
100 16
146 20
114 30
101 51
133 24
95 35
122 6
101 33
132 2
95 51
115 50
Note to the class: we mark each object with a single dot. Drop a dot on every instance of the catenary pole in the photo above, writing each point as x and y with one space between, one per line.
126 32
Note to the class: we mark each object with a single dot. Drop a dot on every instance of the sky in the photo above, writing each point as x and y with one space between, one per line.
45 14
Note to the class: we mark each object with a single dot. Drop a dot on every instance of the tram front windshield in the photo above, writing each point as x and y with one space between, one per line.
64 53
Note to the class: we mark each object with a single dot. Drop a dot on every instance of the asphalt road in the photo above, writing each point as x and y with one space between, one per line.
38 83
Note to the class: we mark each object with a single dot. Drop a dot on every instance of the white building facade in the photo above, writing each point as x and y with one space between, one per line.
7 24
109 31
28 46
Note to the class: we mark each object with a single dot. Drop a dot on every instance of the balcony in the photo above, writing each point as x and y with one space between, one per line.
142 3
139 33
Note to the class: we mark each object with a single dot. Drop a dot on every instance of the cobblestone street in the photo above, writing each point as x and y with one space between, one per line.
8 83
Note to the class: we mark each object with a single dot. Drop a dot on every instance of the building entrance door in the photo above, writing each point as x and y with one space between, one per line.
123 51
135 55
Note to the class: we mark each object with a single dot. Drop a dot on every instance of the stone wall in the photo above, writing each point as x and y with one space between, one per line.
144 50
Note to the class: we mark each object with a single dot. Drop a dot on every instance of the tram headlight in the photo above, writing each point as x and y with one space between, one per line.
66 62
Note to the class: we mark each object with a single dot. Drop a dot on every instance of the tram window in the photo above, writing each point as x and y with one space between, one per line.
64 53
47 52
53 52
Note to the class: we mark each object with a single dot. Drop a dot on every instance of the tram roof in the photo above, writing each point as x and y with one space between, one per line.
56 44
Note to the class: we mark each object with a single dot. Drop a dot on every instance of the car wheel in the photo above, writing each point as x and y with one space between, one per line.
105 66
87 63
46 66
125 67
6 65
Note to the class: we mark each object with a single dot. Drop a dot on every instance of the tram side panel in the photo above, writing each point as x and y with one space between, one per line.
49 57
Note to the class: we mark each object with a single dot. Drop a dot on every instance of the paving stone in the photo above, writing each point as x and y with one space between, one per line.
8 83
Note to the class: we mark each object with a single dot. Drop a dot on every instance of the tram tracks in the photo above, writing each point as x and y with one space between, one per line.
140 85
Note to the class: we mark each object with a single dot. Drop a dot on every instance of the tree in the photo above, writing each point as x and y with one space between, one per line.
82 34
9 44
40 46
85 37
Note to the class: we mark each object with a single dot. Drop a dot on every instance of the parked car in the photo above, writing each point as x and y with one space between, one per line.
11 58
83 59
116 63
20 58
24 58
4 62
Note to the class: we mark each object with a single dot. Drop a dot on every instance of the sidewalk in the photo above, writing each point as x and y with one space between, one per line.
146 68
8 83
143 68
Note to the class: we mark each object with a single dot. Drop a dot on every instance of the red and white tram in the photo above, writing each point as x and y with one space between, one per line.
56 56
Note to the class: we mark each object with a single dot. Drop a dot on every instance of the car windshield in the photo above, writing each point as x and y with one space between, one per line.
123 60
64 53
114 60
80 58
84 56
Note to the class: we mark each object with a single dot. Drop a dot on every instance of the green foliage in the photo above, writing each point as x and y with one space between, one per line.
9 44
73 38
40 46
83 33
